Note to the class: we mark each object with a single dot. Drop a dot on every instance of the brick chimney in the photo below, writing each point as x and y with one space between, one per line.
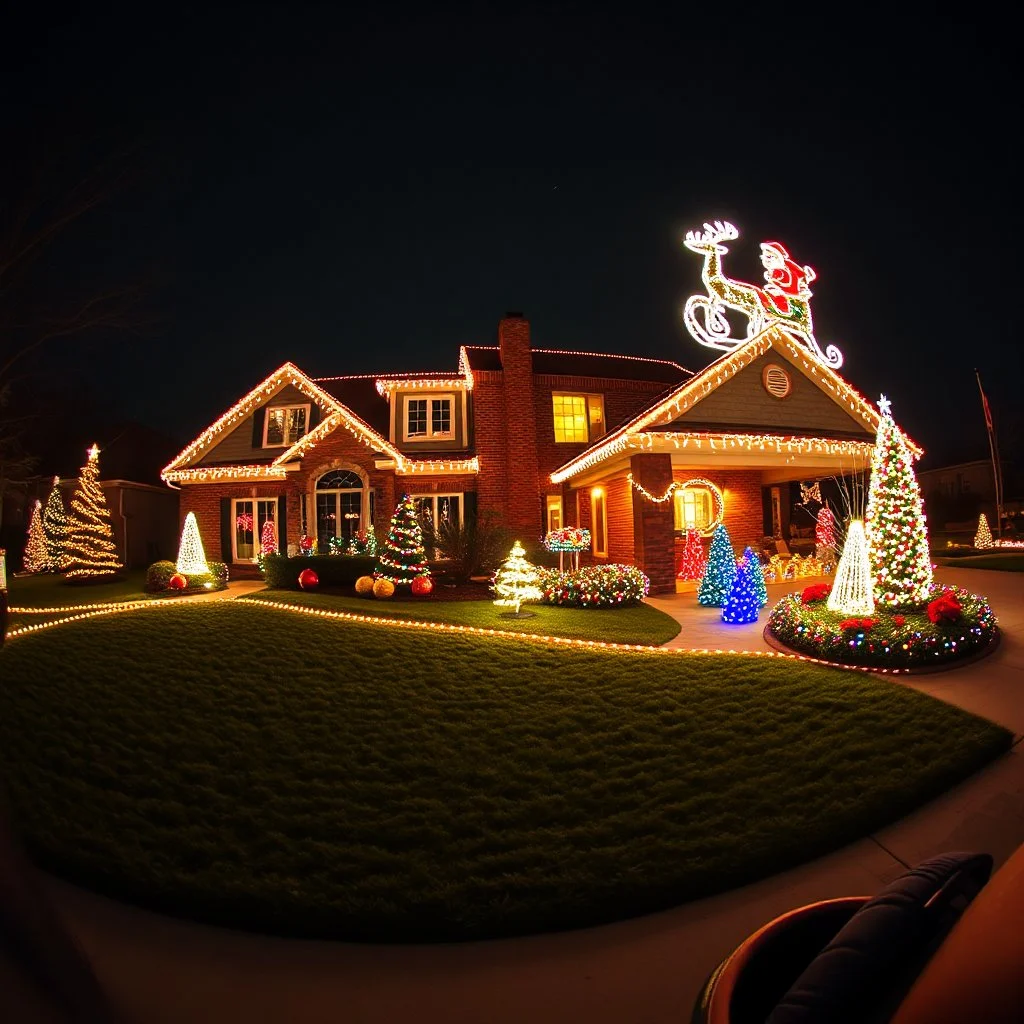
523 479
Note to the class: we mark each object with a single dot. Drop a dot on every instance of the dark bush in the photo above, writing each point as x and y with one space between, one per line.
333 570
158 575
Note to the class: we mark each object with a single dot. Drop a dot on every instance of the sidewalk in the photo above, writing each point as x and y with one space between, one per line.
647 970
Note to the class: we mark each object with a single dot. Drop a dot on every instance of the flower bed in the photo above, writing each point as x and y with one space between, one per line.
596 586
954 624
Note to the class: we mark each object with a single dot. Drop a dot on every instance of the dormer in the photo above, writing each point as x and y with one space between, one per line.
428 412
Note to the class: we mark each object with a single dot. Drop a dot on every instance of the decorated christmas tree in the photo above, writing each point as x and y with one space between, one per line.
55 527
852 592
89 552
742 602
37 558
757 575
516 581
983 538
191 557
897 535
268 538
825 535
403 557
692 565
720 571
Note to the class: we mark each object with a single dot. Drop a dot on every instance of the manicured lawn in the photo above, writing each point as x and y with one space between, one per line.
50 591
247 766
641 624
1007 561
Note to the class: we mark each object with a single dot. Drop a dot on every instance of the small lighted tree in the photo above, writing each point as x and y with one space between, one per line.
268 538
37 558
896 528
742 602
852 592
983 538
693 561
825 535
89 551
55 527
516 581
720 571
191 557
403 556
757 575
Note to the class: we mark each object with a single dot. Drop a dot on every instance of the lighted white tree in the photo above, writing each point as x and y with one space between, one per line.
36 557
55 526
516 581
89 551
191 557
853 593
983 538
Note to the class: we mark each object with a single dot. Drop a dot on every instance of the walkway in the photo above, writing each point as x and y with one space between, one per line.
646 971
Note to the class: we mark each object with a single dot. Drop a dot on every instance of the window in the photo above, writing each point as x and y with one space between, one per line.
599 522
427 418
284 425
693 509
578 418
339 508
249 515
554 512
435 510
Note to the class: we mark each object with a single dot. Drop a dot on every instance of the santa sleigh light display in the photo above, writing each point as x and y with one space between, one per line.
784 301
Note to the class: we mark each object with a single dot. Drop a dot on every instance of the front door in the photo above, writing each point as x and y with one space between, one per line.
250 516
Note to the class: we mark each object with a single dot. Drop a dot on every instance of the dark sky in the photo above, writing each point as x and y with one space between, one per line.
362 193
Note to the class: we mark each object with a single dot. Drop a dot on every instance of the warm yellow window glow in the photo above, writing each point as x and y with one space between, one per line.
578 418
692 509
599 522
554 510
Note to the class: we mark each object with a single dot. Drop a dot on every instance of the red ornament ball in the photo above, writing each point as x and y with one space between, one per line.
308 579
177 582
422 586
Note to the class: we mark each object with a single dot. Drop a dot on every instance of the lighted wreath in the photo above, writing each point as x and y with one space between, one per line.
713 489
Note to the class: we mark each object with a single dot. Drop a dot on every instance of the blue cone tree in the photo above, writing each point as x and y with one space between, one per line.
757 575
742 603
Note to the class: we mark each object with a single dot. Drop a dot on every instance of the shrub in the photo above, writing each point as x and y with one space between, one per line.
158 576
282 572
595 586
473 548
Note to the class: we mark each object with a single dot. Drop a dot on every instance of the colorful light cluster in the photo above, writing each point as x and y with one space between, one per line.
741 605
983 537
89 549
55 527
824 532
403 557
896 529
596 586
720 573
191 556
852 592
568 538
516 581
36 557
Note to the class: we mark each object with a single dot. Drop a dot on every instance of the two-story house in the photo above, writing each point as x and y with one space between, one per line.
635 449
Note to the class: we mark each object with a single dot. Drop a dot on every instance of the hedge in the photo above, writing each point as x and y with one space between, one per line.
333 570
159 573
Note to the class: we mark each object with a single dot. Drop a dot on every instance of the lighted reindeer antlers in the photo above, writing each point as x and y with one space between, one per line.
719 231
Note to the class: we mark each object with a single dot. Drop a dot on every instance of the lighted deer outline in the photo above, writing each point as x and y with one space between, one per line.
787 307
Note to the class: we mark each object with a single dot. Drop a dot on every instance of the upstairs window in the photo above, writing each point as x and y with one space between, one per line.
579 419
284 425
429 418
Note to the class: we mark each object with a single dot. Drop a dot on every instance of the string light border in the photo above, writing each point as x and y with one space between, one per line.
677 485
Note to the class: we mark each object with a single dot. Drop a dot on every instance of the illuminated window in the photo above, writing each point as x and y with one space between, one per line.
693 509
554 512
340 507
284 425
578 418
427 418
599 522
249 515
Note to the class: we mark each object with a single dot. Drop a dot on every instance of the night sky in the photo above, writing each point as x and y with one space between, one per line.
361 193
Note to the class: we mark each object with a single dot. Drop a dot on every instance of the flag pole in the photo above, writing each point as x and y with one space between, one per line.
997 476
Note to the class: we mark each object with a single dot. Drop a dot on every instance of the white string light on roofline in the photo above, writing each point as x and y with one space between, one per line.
386 386
210 474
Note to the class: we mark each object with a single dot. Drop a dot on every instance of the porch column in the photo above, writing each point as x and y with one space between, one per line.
653 524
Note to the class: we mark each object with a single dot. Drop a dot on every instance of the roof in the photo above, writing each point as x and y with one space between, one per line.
360 394
562 362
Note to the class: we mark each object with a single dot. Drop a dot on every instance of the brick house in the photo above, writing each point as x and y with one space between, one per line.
635 449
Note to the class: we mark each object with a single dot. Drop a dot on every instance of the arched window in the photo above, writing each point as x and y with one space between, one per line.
340 507
693 509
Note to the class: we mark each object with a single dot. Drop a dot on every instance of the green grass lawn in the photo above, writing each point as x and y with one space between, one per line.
641 624
253 768
1005 561
50 591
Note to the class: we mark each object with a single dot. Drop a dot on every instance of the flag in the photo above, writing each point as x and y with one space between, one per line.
984 404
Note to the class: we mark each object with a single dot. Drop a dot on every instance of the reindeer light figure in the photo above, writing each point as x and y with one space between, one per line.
784 301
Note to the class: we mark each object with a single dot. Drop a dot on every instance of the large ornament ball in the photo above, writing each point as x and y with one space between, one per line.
308 579
364 585
383 589
177 582
422 586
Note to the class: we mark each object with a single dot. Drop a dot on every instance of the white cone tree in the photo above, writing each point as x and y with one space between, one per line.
852 592
191 557
89 551
983 538
36 556
516 581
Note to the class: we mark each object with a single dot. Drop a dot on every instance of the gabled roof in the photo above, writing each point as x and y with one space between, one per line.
657 416
562 362
359 394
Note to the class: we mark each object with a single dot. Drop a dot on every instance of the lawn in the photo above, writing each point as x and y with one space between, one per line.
640 624
246 766
50 591
1009 561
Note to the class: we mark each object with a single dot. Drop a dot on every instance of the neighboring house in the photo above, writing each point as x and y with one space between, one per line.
956 494
635 449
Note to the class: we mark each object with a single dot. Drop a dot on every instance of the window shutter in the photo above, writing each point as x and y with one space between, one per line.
469 508
315 414
225 530
282 524
258 418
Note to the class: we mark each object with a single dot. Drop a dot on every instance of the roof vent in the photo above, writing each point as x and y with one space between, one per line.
776 381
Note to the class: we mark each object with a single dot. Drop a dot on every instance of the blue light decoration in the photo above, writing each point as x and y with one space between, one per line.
742 603
720 572
757 575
